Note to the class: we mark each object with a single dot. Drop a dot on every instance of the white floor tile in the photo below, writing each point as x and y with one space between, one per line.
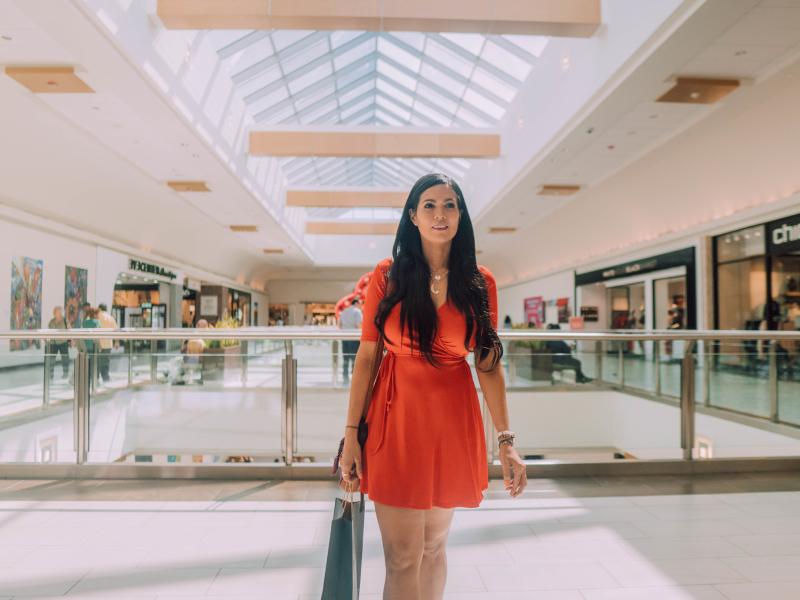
695 571
773 544
694 592
168 581
767 568
689 547
35 582
512 578
690 528
759 591
276 581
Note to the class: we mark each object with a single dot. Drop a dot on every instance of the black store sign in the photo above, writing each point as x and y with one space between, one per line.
783 235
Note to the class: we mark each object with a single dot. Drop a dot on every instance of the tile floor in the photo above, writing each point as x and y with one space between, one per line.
650 538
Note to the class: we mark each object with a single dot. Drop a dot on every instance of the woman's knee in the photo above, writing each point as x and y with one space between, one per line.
401 559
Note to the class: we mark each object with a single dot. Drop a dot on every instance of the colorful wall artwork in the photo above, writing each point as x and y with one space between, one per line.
76 282
26 298
534 311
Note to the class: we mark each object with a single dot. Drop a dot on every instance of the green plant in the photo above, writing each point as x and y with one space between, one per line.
226 323
534 345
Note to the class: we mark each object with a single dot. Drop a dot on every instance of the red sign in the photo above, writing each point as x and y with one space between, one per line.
534 310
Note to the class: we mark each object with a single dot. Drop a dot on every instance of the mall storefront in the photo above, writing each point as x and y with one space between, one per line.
656 292
757 287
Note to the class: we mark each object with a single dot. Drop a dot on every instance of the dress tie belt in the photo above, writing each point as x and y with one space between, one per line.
386 377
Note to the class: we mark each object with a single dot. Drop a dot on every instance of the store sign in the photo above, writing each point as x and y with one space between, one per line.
783 235
590 314
209 306
678 258
150 269
534 310
630 269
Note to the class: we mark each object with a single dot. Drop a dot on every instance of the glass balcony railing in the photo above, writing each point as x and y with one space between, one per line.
278 396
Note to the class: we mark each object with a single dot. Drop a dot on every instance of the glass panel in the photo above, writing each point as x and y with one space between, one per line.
283 38
487 81
740 380
502 59
449 59
394 74
741 244
471 42
742 302
442 80
483 104
36 416
350 56
532 44
219 405
409 61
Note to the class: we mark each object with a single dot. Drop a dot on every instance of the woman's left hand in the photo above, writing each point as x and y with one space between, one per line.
514 476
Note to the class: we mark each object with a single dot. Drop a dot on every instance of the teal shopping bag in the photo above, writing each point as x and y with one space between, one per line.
343 565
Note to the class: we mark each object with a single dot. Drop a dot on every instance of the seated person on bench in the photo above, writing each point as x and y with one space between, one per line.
562 356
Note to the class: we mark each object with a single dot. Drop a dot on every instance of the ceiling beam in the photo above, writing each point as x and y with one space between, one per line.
350 228
389 143
573 18
346 198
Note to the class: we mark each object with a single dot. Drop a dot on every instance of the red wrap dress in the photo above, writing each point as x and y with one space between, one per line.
426 444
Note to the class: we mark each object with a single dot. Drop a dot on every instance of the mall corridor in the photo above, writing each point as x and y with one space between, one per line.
526 272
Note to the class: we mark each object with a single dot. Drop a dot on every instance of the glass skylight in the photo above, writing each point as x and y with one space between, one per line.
427 80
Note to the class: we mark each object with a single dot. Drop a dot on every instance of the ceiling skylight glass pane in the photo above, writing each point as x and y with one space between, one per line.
256 83
364 119
414 39
351 110
350 56
433 115
282 38
449 59
304 57
471 118
409 61
308 100
342 37
319 111
343 80
487 81
270 100
532 44
505 60
321 72
444 104
434 75
386 104
388 118
356 91
394 91
484 105
281 115
389 71
471 42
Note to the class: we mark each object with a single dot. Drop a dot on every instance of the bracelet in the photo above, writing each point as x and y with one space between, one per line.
509 441
351 426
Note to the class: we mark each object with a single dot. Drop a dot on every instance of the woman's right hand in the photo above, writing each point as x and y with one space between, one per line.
350 462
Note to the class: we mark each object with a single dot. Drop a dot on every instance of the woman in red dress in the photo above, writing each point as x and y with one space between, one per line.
425 453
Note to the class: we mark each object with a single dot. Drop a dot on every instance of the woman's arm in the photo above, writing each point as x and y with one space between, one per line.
493 387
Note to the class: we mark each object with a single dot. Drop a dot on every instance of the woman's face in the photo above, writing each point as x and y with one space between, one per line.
437 214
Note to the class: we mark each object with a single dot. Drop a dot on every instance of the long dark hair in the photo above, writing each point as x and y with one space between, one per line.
409 281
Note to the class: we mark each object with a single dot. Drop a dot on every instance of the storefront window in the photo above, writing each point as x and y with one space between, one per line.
742 288
741 244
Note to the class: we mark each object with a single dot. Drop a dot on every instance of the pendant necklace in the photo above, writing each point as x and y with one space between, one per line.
437 277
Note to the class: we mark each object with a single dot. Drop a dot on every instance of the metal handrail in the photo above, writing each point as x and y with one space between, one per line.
306 333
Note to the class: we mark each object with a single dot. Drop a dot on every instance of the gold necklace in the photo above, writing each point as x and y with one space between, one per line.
437 277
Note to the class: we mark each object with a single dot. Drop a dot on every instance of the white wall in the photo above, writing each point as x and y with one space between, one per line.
558 285
308 290
57 253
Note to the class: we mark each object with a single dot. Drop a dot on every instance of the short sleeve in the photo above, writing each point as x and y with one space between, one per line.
376 289
491 289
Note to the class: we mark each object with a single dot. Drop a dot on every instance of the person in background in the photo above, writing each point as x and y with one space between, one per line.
58 347
562 355
104 355
90 321
350 318
507 324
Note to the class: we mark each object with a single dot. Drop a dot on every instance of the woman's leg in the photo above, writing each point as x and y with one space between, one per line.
403 537
433 572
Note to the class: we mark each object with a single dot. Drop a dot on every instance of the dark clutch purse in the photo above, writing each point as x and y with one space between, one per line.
363 429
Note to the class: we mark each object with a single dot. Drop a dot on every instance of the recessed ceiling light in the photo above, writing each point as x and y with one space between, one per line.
502 229
6 38
558 190
654 116
693 90
95 108
273 250
189 186
244 228
740 53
